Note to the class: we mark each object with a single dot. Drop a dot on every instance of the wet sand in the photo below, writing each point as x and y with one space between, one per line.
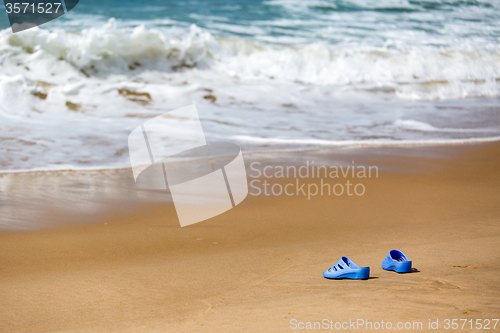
257 267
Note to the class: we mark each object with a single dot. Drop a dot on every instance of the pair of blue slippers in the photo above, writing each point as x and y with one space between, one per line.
346 269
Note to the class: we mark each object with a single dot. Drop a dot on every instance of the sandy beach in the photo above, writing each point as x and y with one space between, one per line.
257 268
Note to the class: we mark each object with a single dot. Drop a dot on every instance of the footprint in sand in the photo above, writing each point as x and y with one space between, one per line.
399 288
438 285
429 285
472 266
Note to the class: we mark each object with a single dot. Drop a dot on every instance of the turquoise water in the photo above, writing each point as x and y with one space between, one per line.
382 22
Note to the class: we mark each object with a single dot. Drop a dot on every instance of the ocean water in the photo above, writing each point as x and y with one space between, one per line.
268 75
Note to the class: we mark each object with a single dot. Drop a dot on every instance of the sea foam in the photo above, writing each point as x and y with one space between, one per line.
68 99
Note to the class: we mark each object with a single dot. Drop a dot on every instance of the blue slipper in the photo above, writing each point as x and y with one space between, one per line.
346 269
396 261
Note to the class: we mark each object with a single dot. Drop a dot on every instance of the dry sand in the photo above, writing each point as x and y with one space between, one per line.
258 266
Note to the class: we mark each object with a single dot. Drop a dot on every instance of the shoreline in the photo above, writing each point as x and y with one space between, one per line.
90 195
319 147
93 194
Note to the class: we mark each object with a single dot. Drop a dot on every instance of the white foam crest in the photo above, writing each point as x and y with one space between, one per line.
301 6
414 125
110 49
64 168
411 73
354 143
414 73
382 4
